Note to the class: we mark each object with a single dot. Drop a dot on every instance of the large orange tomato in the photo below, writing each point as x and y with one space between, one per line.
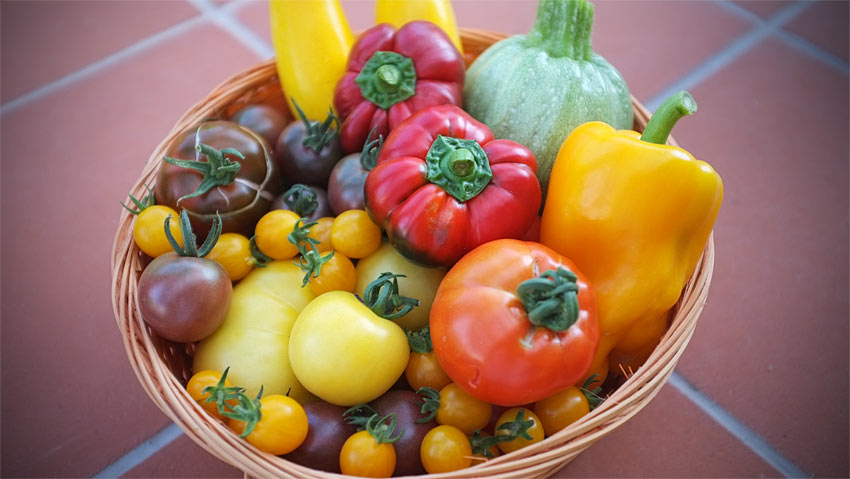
514 322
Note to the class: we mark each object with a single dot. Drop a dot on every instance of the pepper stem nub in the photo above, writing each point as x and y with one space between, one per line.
665 117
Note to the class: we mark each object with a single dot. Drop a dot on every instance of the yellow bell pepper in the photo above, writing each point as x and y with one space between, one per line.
438 12
311 41
634 214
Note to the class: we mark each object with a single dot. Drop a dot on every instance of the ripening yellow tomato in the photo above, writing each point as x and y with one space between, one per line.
354 234
149 230
272 233
233 251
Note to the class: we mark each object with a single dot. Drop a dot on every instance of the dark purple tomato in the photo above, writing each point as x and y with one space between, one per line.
240 202
326 434
263 119
404 405
285 202
345 185
310 164
184 298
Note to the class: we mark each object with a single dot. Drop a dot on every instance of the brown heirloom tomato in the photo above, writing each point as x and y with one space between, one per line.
240 194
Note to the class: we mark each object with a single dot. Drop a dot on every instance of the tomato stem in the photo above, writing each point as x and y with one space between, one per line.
551 299
383 298
371 149
246 409
382 428
146 202
358 415
430 404
218 170
420 341
311 260
517 428
317 135
301 199
190 246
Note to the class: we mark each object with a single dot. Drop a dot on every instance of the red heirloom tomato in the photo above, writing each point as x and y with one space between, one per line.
443 186
219 167
392 74
514 322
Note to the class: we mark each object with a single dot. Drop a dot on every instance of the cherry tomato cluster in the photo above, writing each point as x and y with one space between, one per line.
293 262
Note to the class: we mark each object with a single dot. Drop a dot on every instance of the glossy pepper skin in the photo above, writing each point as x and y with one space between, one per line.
438 12
635 215
242 200
311 41
392 74
443 185
495 337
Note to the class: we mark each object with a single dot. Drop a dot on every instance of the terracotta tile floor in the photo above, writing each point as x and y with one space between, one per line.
89 88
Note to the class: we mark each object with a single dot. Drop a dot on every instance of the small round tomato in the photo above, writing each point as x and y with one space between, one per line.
272 231
233 251
520 424
321 232
445 449
337 274
149 225
201 380
370 453
456 407
354 234
424 371
264 120
561 409
282 426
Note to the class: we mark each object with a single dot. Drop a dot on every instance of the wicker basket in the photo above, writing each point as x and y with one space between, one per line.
163 367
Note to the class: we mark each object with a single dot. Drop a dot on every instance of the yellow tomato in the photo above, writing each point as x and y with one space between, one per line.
281 428
336 275
149 230
321 232
561 409
233 251
460 409
519 421
424 371
445 449
196 385
272 231
343 352
363 456
354 234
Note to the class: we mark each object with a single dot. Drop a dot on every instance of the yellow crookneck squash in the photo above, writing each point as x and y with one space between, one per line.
634 214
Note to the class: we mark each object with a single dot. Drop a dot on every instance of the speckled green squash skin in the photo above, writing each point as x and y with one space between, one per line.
526 94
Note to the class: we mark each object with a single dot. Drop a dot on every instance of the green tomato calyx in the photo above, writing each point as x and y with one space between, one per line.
218 170
458 166
258 258
246 409
141 205
383 298
551 299
317 135
311 260
190 245
420 341
591 393
515 429
481 444
371 149
430 404
387 78
359 415
382 428
301 199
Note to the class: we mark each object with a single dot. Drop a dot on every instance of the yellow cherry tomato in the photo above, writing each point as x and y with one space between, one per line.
519 421
460 409
149 230
424 371
201 380
233 251
363 456
445 449
321 232
272 231
354 234
561 409
336 275
282 426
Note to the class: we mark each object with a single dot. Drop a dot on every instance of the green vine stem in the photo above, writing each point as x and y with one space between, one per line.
371 150
141 205
246 409
382 428
383 298
258 258
190 245
593 395
218 170
301 199
481 444
358 415
420 341
430 403
311 260
317 135
551 299
515 429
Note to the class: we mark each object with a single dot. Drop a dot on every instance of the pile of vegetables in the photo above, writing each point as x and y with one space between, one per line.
375 291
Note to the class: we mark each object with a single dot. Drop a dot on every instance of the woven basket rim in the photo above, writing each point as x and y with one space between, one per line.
169 394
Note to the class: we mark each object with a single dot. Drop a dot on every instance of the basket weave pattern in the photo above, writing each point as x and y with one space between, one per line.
164 367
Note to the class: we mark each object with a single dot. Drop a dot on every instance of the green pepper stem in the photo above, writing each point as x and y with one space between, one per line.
562 29
389 76
458 166
665 117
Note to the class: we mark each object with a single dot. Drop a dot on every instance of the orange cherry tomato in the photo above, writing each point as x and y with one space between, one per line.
321 232
272 231
354 234
337 274
445 449
424 371
456 407
523 425
282 426
561 409
196 385
233 251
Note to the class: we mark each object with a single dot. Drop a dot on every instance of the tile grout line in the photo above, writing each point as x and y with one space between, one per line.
222 17
744 43
734 426
792 39
102 64
142 452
